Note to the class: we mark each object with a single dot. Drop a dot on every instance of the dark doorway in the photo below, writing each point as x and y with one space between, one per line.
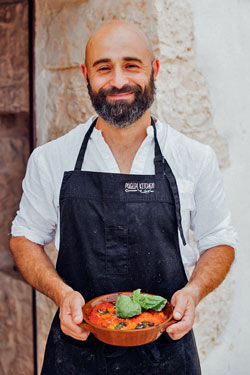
17 318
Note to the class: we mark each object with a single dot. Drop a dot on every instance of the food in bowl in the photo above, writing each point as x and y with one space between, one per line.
121 337
104 315
137 311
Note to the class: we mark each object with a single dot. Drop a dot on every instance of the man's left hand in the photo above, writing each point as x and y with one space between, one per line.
210 270
184 312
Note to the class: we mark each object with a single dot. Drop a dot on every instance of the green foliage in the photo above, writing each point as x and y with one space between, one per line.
148 301
127 307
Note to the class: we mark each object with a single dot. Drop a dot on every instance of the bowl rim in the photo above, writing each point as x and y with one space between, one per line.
157 326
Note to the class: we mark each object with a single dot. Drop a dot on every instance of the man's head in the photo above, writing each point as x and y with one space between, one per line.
120 71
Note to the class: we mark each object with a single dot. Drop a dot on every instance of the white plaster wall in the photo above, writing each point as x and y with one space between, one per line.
222 43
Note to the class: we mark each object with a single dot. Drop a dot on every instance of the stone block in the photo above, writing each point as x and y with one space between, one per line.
14 74
16 324
15 125
14 151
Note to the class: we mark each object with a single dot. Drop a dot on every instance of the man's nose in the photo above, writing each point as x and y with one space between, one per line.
119 78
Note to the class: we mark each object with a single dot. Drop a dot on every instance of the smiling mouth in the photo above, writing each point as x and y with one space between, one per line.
124 95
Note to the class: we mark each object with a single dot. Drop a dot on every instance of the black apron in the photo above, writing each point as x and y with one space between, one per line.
119 232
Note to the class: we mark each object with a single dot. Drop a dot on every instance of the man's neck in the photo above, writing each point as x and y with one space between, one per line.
136 132
125 142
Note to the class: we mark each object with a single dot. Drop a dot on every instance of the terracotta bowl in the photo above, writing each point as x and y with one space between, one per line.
128 337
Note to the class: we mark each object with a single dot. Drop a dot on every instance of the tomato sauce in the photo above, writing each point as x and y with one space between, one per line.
104 315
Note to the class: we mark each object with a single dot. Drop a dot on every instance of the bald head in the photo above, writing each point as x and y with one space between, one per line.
118 34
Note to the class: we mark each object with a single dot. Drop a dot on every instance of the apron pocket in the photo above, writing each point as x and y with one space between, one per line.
116 238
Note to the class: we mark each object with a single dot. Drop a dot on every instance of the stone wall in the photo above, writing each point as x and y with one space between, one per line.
15 296
183 100
16 326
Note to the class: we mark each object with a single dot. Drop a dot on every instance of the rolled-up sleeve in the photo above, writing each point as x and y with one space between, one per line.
37 216
211 219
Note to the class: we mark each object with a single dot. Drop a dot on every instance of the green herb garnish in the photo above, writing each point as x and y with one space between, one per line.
127 307
103 312
120 325
148 301
150 324
144 324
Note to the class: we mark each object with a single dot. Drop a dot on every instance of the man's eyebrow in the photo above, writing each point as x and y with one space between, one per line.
131 58
100 61
126 58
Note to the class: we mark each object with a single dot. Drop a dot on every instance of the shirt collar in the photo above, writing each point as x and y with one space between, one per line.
150 130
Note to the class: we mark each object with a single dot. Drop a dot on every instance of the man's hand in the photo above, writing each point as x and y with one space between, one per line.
184 311
210 270
39 272
71 316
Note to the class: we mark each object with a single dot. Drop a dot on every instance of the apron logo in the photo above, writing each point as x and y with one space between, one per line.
142 187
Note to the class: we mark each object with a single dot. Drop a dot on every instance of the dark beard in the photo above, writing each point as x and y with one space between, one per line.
121 113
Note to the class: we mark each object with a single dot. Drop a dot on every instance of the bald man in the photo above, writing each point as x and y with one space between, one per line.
119 195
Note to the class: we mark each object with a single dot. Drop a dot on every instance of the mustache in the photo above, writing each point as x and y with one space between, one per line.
124 89
122 113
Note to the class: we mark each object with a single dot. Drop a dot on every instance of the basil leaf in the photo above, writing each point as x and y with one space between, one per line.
136 294
141 325
147 301
103 312
160 305
144 324
121 325
126 308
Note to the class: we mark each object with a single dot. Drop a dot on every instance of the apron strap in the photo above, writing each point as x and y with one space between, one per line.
162 168
159 159
172 181
79 161
158 155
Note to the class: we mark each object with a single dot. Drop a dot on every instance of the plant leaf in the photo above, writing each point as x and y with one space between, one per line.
126 308
147 301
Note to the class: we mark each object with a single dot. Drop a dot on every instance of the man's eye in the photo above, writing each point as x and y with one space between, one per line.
131 66
103 68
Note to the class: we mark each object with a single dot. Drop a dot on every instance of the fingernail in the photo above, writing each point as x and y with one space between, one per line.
177 315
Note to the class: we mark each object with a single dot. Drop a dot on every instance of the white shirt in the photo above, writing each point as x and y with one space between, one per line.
203 206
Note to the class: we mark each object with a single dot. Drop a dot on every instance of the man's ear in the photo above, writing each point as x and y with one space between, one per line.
156 67
84 71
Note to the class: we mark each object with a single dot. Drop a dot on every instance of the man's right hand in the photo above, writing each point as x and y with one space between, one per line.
71 316
38 271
